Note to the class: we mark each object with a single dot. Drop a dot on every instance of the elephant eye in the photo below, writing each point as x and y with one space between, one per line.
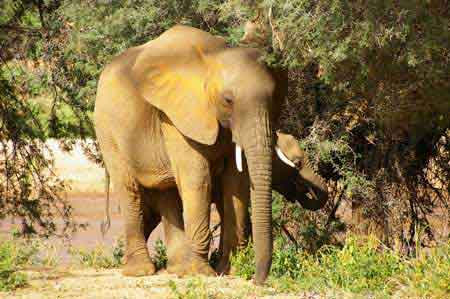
228 98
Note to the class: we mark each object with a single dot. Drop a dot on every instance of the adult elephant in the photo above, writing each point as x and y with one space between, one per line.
166 113
292 176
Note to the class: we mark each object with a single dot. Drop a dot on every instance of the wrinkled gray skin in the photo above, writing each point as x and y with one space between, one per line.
167 114
230 193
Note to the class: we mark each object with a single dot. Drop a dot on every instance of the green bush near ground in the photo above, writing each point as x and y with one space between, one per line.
428 275
12 258
17 253
362 266
100 257
160 257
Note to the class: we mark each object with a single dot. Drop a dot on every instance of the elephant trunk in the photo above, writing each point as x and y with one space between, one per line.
259 160
316 187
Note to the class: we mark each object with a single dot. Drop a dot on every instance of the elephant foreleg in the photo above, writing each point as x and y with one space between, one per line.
193 180
138 262
196 215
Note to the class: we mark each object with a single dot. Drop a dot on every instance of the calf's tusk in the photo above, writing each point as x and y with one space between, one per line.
283 157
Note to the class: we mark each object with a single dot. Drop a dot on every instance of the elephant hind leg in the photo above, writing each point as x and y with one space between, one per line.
138 261
130 192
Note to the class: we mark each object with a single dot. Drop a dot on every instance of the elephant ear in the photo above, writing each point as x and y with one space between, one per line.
175 74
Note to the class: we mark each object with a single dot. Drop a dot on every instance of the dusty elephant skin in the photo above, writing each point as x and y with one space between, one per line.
166 113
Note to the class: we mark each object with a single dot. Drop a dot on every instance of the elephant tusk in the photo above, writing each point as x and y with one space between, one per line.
283 157
239 158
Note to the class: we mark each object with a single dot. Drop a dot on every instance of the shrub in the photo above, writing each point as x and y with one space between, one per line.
242 262
362 266
119 251
100 257
285 260
306 230
427 275
11 258
160 257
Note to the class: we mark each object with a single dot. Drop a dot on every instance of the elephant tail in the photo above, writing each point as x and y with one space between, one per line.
106 222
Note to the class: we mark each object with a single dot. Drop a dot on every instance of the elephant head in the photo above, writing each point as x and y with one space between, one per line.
294 177
202 85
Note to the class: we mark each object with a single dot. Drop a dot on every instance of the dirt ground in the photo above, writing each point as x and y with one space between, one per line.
99 284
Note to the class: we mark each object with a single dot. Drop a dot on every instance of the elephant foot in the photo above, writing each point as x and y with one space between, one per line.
194 267
138 266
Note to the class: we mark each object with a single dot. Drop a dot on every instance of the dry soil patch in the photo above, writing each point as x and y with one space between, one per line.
98 284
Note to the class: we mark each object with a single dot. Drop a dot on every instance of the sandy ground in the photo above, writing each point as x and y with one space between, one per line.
89 283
